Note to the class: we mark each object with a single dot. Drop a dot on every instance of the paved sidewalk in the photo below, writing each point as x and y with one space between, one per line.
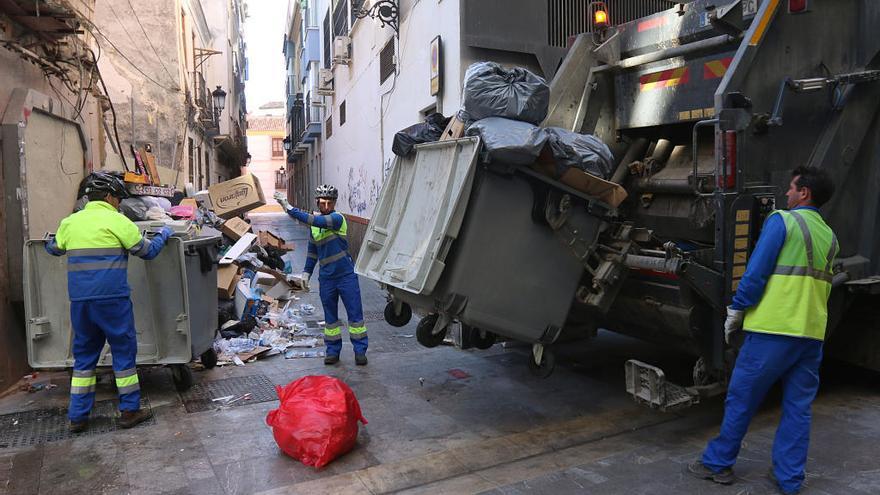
442 421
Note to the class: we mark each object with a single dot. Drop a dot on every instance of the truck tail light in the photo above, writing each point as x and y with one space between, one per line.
727 180
795 6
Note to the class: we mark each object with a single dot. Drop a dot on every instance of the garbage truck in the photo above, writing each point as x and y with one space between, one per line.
707 108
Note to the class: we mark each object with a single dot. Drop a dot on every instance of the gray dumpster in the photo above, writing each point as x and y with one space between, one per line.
461 242
174 297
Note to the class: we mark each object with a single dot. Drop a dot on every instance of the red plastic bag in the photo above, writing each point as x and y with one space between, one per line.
317 421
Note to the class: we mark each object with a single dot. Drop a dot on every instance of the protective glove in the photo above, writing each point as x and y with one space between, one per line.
305 280
166 232
282 200
733 323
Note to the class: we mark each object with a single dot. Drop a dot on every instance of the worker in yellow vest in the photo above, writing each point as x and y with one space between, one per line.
97 241
782 304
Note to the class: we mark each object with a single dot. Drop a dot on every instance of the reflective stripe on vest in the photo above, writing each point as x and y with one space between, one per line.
323 236
795 300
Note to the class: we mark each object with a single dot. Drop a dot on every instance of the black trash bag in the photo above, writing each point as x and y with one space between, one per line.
239 329
490 90
583 151
509 141
426 132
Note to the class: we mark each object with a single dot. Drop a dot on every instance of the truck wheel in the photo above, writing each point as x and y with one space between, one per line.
209 359
398 320
182 376
482 339
545 369
425 329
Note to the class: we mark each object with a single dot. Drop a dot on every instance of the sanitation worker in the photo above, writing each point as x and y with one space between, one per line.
782 304
97 241
328 247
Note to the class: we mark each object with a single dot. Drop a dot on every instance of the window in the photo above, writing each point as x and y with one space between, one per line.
386 61
201 174
340 18
207 174
327 42
341 114
356 6
329 126
277 148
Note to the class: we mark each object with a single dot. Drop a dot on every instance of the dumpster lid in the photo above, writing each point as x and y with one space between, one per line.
419 215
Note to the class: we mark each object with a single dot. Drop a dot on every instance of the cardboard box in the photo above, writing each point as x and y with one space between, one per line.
236 196
189 202
268 239
235 227
607 192
454 130
227 278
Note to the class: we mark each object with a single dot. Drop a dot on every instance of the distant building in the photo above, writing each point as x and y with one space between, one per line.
265 136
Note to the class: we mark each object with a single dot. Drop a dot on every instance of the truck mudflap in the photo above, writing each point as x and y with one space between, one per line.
648 385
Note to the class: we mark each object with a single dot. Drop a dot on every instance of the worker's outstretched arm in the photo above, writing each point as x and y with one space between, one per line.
761 264
56 245
332 221
132 240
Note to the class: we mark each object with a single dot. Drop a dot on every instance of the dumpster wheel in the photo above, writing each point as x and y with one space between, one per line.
182 376
483 339
547 360
425 332
398 318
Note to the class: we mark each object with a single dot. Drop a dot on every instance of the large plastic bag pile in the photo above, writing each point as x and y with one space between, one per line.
509 141
426 132
582 151
490 90
317 421
502 106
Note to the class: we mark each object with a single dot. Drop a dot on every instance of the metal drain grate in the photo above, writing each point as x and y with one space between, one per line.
374 315
26 428
200 397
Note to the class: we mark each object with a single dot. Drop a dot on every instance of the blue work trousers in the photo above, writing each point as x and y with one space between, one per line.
94 322
349 291
763 360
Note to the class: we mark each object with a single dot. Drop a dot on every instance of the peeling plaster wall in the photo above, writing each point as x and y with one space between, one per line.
149 111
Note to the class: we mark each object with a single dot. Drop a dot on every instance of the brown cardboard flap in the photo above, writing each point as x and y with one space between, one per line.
235 228
606 191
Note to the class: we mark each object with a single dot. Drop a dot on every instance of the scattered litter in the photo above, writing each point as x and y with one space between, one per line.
404 335
458 374
421 382
307 309
304 353
223 399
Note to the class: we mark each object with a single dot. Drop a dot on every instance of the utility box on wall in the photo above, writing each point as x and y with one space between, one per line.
45 157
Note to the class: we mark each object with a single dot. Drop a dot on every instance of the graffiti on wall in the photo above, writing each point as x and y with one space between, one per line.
363 192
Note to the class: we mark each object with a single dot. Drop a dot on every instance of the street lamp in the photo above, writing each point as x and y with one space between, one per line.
287 143
219 101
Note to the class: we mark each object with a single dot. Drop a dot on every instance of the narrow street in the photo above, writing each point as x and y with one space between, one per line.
440 421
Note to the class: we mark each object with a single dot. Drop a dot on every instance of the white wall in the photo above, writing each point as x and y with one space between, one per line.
357 155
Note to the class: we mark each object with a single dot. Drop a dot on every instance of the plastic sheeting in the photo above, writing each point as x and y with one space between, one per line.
490 90
509 141
426 132
583 151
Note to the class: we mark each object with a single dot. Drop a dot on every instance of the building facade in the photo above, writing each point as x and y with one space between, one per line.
85 80
265 136
360 71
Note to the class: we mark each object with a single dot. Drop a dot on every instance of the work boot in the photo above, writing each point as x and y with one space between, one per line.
79 426
776 484
360 359
133 418
328 360
700 471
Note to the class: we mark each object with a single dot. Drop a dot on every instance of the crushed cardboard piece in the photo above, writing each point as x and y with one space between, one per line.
608 192
228 277
246 356
454 130
235 227
268 239
236 196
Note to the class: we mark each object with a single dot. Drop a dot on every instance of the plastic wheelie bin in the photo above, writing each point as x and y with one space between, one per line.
465 241
174 298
